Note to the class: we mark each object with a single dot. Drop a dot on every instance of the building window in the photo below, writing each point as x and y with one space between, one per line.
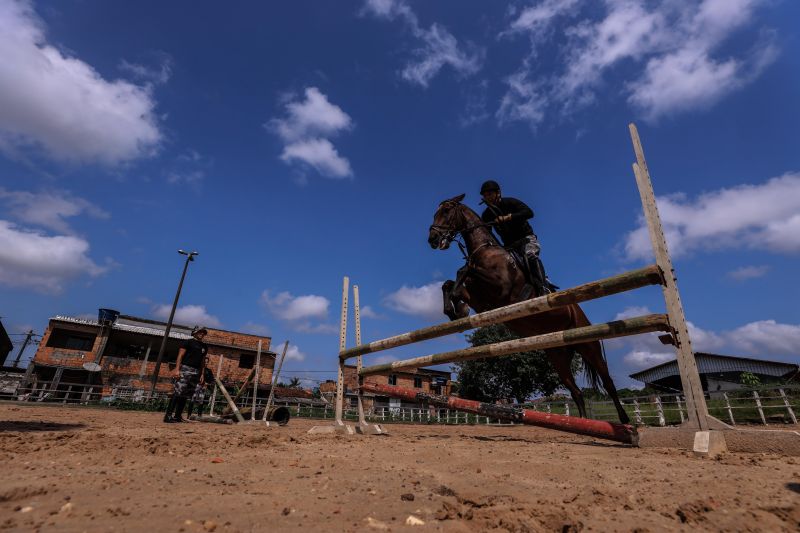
417 383
71 340
247 360
393 379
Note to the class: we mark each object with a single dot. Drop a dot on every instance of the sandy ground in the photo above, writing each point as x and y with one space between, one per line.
83 469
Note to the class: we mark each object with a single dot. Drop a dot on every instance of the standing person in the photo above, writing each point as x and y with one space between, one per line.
509 217
188 371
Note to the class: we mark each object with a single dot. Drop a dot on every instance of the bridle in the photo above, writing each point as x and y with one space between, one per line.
450 232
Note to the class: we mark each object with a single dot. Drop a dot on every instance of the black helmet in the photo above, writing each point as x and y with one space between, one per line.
198 329
489 185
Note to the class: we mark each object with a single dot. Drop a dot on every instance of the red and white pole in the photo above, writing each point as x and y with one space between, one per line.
570 424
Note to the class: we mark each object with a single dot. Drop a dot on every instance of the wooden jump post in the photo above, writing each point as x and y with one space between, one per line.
661 273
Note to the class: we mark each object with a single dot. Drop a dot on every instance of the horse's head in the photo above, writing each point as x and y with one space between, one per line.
448 221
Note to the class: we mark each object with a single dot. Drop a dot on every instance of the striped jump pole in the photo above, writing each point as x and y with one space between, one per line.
570 424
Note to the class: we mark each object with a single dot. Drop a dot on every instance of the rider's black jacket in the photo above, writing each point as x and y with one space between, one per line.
517 228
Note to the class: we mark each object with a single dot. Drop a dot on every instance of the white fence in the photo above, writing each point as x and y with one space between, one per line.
764 405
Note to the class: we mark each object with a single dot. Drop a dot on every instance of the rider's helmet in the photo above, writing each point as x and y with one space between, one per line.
489 185
199 329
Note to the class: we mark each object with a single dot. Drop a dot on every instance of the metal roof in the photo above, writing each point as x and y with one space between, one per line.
121 326
709 363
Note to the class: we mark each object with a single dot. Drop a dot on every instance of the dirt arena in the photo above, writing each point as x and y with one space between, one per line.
84 469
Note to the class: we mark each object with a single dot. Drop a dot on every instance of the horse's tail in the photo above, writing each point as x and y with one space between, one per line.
589 370
593 354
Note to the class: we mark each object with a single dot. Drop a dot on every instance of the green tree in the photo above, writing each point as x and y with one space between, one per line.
515 376
748 379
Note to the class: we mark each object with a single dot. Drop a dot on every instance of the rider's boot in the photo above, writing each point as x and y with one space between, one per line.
536 276
545 280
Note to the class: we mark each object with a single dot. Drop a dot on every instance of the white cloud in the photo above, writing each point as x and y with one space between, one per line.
760 339
537 19
313 117
633 311
43 262
321 155
305 131
60 104
188 315
48 209
644 358
293 353
748 272
767 337
288 307
761 217
157 75
425 301
368 312
437 47
668 53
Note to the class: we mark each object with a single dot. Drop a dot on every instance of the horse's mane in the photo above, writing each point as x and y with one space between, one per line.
472 214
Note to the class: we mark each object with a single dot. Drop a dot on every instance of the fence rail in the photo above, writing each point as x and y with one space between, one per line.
764 405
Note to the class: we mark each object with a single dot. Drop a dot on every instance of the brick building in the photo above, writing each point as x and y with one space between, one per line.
125 347
423 379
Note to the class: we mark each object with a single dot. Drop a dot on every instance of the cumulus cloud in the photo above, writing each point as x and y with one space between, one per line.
293 353
425 301
306 131
33 259
62 106
633 311
436 46
368 312
759 339
748 272
668 54
760 217
48 209
188 315
153 74
288 307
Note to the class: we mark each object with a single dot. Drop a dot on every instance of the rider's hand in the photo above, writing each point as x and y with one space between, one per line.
503 218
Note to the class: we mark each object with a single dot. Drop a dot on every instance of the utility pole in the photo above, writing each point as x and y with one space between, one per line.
189 257
24 345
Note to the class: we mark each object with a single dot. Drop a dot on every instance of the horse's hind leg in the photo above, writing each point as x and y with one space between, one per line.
593 356
561 359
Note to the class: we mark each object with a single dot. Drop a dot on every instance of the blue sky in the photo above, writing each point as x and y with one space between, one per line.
294 143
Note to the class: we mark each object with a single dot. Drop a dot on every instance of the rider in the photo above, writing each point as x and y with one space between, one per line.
509 217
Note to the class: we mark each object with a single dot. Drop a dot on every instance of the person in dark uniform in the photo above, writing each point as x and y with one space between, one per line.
189 368
509 217
199 395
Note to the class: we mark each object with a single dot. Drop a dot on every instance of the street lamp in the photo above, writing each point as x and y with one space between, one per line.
189 257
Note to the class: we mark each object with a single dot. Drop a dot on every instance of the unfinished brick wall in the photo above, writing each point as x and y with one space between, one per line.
404 379
127 372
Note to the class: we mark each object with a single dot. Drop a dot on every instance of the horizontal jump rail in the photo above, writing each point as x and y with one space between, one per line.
607 330
570 424
650 275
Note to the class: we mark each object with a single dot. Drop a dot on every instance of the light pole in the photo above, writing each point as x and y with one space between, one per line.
189 257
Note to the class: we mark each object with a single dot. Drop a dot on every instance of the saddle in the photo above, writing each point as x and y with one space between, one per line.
529 290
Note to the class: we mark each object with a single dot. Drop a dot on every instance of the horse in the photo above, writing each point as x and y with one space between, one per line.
492 278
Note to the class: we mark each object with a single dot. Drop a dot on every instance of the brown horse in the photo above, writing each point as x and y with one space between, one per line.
492 279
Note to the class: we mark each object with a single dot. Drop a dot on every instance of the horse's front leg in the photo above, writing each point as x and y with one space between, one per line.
454 298
447 297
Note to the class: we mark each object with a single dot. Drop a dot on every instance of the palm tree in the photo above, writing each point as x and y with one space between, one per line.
294 383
